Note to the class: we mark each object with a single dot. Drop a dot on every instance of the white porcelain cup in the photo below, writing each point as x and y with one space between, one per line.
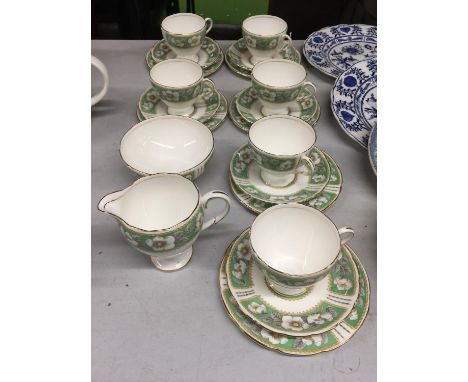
185 32
264 36
280 143
178 82
295 246
278 83
161 216
102 69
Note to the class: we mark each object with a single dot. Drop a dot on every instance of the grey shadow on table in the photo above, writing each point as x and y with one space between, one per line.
105 107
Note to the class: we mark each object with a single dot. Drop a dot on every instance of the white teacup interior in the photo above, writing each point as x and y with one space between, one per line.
264 25
282 135
168 144
156 203
176 73
279 73
183 23
295 239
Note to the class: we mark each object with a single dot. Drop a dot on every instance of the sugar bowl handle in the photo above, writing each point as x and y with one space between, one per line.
346 234
209 23
213 195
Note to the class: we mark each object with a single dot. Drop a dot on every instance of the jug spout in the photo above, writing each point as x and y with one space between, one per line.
109 204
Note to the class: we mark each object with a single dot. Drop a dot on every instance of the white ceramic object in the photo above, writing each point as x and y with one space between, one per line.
265 36
278 83
161 216
178 82
103 70
280 144
185 32
296 246
168 144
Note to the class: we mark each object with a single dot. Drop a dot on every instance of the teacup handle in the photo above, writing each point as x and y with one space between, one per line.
101 67
311 85
209 21
209 81
213 195
346 234
287 41
308 162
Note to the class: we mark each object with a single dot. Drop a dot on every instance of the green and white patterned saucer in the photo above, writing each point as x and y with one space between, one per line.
238 57
321 202
214 122
321 308
299 345
244 125
245 174
249 106
211 55
205 107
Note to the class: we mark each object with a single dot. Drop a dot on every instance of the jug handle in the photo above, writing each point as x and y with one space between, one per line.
101 67
215 195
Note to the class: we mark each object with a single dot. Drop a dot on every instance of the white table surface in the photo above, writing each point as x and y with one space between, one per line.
153 326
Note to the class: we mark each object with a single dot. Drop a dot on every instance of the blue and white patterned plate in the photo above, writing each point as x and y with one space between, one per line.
373 149
332 50
354 100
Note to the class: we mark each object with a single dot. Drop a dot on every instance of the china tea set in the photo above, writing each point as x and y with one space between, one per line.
290 281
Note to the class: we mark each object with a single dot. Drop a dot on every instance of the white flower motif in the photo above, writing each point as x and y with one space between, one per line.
194 40
315 158
327 316
159 243
171 95
294 323
147 105
251 41
333 178
128 237
353 316
274 338
285 165
315 319
244 251
342 283
319 339
268 95
318 178
318 202
257 308
210 48
272 44
246 155
239 269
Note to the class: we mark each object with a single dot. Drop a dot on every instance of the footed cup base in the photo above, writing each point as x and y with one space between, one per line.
173 263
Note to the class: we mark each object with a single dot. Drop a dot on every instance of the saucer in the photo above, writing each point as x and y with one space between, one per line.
245 174
298 345
319 309
372 148
212 123
206 104
354 100
322 201
244 125
332 50
238 57
249 106
211 56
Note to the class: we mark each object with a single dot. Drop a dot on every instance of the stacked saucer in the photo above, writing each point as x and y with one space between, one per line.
301 320
198 98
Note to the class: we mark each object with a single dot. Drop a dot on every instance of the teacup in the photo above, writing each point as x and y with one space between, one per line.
264 36
161 216
295 246
278 82
168 144
178 82
185 32
280 143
